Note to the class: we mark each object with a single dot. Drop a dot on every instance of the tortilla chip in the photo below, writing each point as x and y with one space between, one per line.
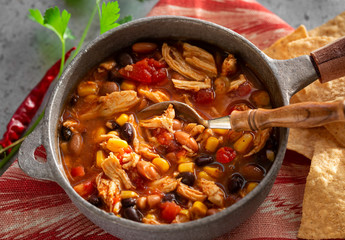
303 140
278 50
333 28
305 46
323 211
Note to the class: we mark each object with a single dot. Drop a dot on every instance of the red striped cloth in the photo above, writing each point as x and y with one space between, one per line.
36 209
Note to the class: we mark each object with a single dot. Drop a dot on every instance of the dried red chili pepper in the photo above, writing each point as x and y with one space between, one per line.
28 108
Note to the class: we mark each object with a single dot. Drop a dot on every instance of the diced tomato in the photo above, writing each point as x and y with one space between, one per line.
163 136
78 171
225 154
147 70
204 96
84 189
242 90
122 151
169 210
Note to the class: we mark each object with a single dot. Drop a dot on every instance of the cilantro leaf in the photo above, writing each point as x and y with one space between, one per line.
108 16
53 21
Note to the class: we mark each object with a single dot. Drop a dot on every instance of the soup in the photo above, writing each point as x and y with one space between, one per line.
164 169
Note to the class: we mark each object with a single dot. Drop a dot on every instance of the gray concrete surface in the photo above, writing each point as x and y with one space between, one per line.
27 50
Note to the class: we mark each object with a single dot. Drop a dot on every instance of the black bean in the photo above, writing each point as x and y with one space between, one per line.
66 133
74 99
169 197
204 160
133 214
125 59
128 202
112 125
95 200
236 182
188 178
127 132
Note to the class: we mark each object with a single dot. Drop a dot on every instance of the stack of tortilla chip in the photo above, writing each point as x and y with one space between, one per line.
323 212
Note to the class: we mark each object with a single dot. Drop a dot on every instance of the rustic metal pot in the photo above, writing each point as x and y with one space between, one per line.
281 78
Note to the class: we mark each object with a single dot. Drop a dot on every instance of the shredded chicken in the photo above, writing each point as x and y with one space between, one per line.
164 121
112 103
192 85
221 85
108 65
112 168
190 193
176 61
151 221
213 192
181 218
154 95
130 160
202 138
109 191
147 151
71 124
229 65
236 83
194 129
165 185
200 59
260 140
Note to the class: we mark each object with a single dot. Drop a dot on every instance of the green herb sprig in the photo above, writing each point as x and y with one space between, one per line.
57 22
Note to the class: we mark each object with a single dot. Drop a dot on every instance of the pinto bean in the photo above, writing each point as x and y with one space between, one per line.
177 125
252 172
153 200
142 202
108 87
148 170
75 145
185 139
144 47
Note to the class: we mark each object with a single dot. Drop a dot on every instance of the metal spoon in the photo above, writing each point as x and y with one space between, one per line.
300 115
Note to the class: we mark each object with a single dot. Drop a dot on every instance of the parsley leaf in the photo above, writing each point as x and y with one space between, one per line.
108 16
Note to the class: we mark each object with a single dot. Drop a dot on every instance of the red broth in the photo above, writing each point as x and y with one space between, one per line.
164 169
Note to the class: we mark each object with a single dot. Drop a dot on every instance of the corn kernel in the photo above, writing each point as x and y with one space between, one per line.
99 132
186 167
115 144
100 157
270 155
184 159
199 209
91 98
151 216
211 144
184 212
221 131
128 85
213 171
204 175
64 147
122 119
243 143
162 164
128 194
87 88
251 186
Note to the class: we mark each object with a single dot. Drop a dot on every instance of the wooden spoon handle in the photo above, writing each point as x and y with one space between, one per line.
300 115
330 60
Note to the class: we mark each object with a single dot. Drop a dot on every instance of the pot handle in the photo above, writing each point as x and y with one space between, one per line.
326 63
26 156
